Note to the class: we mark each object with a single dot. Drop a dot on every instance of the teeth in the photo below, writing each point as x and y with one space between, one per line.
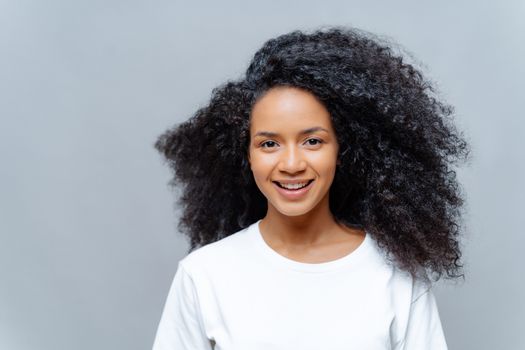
294 186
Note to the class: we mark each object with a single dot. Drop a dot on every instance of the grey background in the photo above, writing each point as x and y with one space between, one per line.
88 245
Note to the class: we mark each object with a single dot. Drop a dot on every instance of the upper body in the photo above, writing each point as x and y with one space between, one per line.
238 293
338 145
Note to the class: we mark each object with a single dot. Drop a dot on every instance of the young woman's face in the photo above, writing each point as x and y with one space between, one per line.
292 142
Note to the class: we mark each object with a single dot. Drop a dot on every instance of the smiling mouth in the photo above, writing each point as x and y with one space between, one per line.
294 188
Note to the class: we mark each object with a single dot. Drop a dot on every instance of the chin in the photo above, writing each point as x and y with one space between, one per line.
290 209
294 213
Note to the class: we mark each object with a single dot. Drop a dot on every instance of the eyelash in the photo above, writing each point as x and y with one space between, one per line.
318 140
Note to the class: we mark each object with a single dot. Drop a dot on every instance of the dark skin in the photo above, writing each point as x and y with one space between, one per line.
301 229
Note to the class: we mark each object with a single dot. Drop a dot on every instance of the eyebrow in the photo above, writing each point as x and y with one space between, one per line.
303 132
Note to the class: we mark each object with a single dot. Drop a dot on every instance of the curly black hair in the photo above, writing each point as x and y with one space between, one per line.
397 140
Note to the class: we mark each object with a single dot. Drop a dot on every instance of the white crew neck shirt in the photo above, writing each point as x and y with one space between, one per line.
240 294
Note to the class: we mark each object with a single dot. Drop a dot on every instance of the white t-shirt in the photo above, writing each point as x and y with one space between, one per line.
240 294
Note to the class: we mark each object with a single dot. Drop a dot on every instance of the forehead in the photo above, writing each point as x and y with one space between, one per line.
288 107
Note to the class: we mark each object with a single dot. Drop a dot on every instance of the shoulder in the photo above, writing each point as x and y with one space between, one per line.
402 285
215 255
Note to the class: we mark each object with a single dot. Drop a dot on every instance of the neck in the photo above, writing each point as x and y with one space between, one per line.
315 227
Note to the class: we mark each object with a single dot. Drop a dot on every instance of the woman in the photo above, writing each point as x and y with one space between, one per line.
318 196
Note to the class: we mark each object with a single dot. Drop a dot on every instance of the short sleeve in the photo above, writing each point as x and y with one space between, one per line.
424 329
180 326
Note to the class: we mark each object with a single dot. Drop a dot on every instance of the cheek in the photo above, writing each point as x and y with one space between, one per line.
260 166
325 163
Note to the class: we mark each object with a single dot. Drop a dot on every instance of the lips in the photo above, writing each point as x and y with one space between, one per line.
293 194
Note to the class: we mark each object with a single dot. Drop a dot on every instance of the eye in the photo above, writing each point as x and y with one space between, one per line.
317 141
266 143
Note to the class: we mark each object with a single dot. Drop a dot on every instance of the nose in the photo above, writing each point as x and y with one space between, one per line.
292 160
